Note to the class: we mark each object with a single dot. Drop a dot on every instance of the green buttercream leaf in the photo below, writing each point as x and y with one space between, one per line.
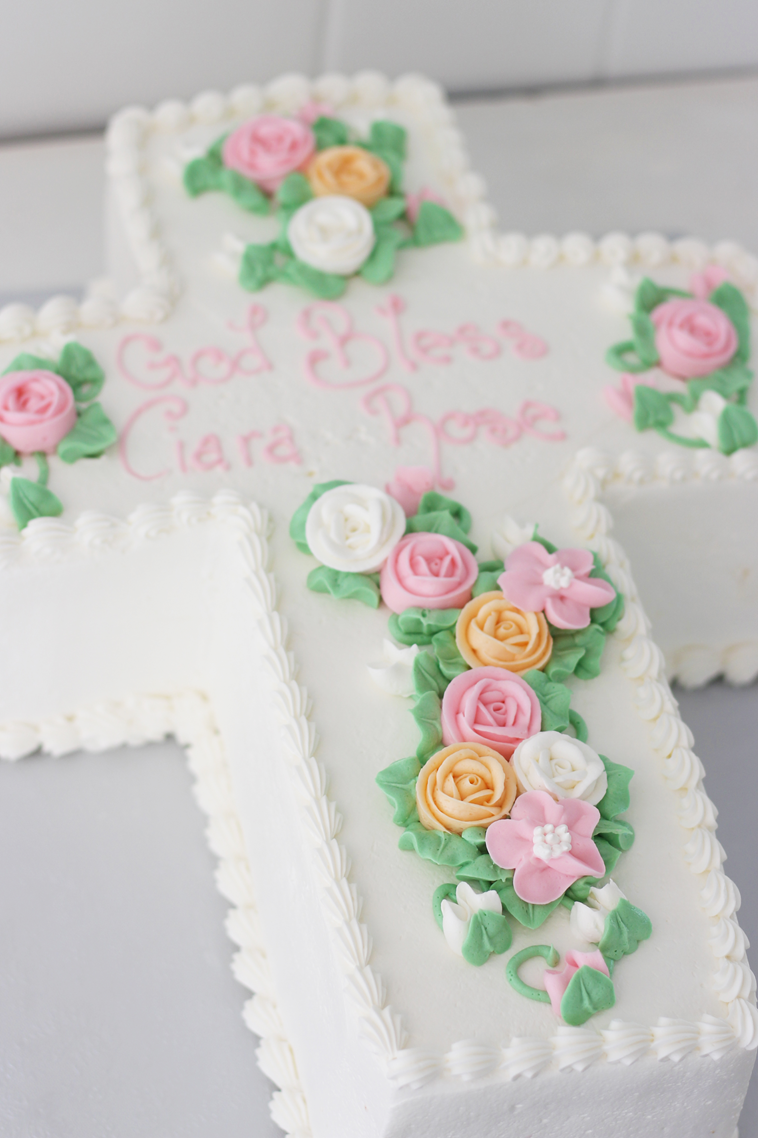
731 301
329 132
443 522
344 586
649 295
81 372
727 381
643 331
388 209
258 266
530 916
736 429
202 175
427 675
651 408
398 781
442 893
488 933
427 713
576 652
488 574
450 661
7 454
380 265
616 832
434 225
548 545
476 836
609 853
432 502
418 626
92 434
620 357
27 362
486 582
294 191
588 992
624 928
435 845
30 500
388 136
616 798
580 890
607 616
244 192
300 516
482 870
326 286
555 700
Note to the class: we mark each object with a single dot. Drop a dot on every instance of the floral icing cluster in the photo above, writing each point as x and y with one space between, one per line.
338 201
689 353
504 789
46 407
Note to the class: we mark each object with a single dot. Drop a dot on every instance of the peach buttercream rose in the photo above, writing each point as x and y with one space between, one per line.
465 784
491 632
349 171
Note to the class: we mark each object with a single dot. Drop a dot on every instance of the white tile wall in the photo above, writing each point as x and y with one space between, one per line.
647 37
67 64
469 44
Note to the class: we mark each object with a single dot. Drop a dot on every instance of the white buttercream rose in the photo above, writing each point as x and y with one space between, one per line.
334 234
560 765
354 528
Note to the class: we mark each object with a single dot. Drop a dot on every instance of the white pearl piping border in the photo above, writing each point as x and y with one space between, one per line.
569 1048
153 299
592 471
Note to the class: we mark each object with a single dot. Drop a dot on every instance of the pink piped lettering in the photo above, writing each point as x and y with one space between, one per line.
428 346
394 309
173 406
478 344
166 363
357 359
531 412
282 447
209 455
243 444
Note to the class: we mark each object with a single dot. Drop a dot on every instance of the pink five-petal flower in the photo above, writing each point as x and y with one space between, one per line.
557 584
557 980
536 821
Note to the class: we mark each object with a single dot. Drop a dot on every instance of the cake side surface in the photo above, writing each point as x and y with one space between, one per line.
278 782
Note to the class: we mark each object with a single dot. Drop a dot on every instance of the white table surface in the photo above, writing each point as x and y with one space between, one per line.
120 1015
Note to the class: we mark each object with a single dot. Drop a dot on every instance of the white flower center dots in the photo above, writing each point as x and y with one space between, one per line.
551 841
557 577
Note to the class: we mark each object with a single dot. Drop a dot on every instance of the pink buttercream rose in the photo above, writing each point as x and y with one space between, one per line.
549 845
37 410
428 570
557 980
490 706
409 486
693 337
558 584
268 148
